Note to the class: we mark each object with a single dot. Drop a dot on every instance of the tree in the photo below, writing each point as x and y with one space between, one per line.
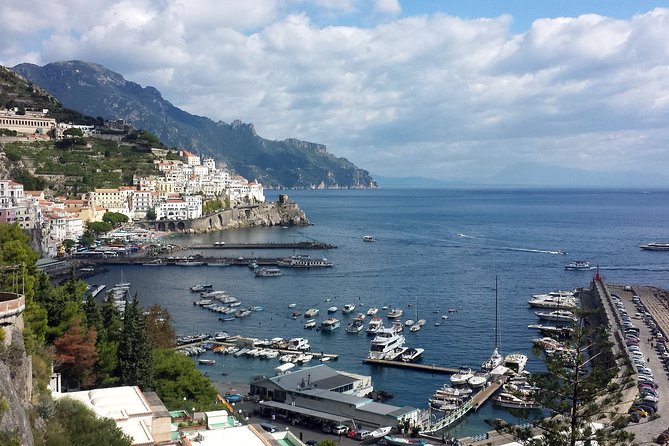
151 214
68 244
176 377
159 325
98 227
72 132
135 367
75 354
73 423
115 219
582 385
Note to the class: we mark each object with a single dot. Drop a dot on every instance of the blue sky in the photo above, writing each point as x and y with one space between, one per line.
450 90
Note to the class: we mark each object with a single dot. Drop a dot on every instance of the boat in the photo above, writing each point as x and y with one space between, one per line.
380 432
217 294
409 322
398 327
304 261
348 308
332 309
206 361
552 329
577 265
515 361
360 317
330 324
217 264
301 344
511 401
548 301
368 238
412 354
311 313
372 311
156 262
415 327
395 313
268 272
654 246
355 327
496 358
292 305
463 375
557 316
122 283
385 341
477 381
374 325
201 287
189 263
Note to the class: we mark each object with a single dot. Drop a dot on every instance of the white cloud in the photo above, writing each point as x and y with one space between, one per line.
432 95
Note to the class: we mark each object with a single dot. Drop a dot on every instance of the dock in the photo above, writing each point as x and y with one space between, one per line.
270 245
236 343
432 368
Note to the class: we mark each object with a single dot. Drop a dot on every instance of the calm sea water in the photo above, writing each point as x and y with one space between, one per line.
435 249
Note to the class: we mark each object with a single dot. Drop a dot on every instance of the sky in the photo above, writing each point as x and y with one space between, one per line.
450 90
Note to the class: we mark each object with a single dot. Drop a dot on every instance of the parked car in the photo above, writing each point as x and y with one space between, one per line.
340 430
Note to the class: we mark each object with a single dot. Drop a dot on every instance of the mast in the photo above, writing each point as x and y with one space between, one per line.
497 337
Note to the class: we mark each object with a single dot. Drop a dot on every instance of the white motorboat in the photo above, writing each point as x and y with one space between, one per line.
511 401
213 294
395 313
355 327
494 361
477 381
394 354
516 362
301 344
409 322
348 308
415 327
311 323
368 238
311 312
380 432
372 311
332 309
385 341
557 316
578 265
374 325
412 354
461 378
548 301
330 324
292 305
200 287
360 317
398 327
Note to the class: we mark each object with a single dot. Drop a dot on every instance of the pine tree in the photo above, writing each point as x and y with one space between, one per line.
135 367
75 354
581 392
93 313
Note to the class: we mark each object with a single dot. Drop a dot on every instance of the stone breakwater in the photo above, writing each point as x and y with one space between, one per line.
280 213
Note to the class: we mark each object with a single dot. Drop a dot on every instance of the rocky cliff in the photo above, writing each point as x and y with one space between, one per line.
15 387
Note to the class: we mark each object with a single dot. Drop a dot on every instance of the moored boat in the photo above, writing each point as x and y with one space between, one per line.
368 238
330 324
355 327
304 261
206 361
511 401
311 323
463 375
348 308
374 325
557 316
332 309
311 312
372 311
654 246
412 354
201 287
515 361
385 341
267 272
395 313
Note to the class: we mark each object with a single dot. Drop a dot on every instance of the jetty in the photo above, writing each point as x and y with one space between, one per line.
432 368
269 245
236 341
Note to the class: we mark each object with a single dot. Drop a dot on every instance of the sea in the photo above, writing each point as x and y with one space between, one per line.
436 250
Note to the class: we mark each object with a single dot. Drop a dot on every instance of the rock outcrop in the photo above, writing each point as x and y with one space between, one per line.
15 387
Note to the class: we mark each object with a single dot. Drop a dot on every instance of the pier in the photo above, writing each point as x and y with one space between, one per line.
242 342
270 245
432 368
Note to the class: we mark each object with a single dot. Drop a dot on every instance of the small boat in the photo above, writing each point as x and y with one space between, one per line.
368 238
360 317
206 361
415 327
397 327
292 305
477 381
409 322
401 441
374 325
348 308
395 313
654 246
380 432
332 309
330 324
311 323
188 263
463 375
157 262
372 311
295 314
578 265
268 272
355 327
304 261
311 312
201 287
511 401
412 354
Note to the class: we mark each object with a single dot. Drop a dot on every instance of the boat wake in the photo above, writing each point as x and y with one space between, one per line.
539 251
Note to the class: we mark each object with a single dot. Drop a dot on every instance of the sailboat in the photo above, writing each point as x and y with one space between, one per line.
122 283
419 323
496 358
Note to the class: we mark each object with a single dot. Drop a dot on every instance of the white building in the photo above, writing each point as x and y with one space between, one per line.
185 208
141 416
113 200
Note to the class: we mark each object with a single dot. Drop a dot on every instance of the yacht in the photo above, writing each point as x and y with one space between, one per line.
374 325
412 354
268 272
516 362
395 313
654 246
477 381
463 375
304 261
548 301
578 265
494 361
557 316
511 401
368 238
552 329
330 324
385 341
355 327
301 344
348 308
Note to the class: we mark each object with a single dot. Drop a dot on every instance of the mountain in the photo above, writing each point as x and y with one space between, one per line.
96 91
